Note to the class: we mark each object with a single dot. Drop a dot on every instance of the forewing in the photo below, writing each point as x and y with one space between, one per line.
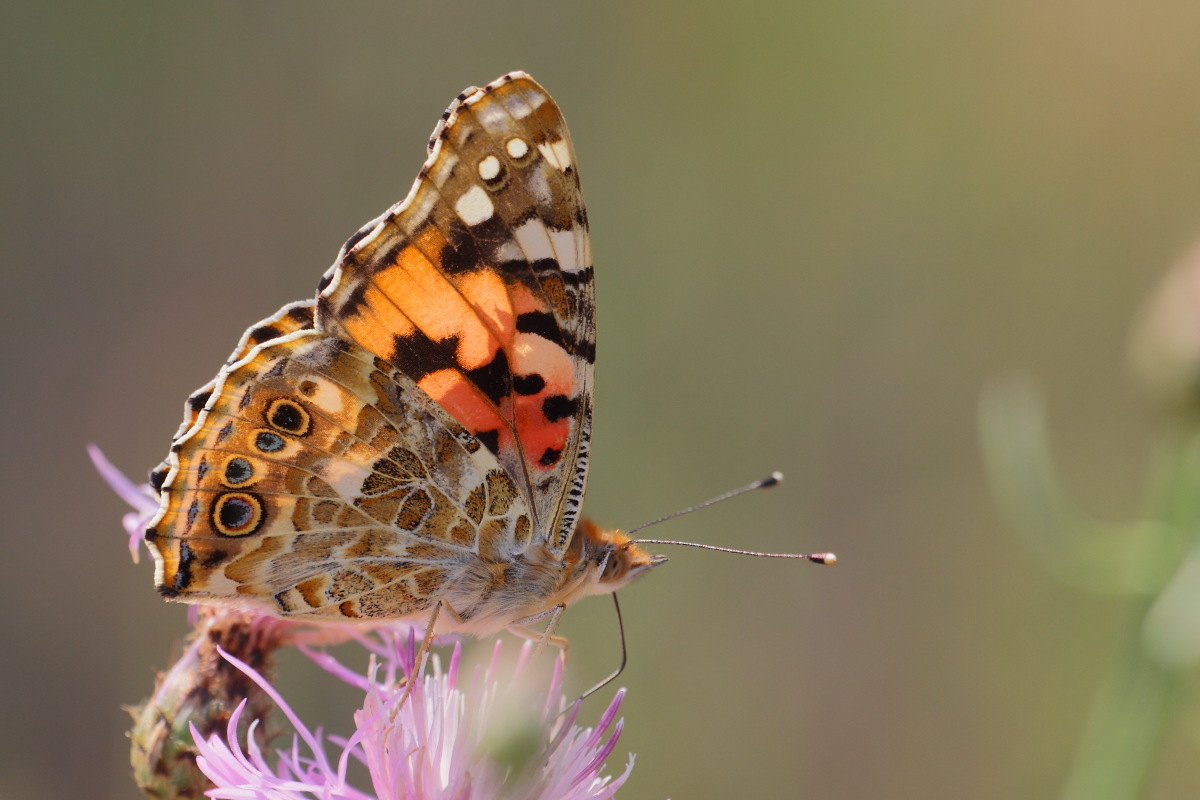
313 483
478 287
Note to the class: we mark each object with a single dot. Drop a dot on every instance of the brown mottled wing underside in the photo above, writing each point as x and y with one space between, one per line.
478 287
317 481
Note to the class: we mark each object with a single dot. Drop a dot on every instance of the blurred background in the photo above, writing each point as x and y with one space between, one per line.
821 229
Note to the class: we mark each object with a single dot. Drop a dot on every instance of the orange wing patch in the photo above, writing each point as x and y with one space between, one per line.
478 287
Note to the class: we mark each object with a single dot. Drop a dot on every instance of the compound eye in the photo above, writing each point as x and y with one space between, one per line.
614 565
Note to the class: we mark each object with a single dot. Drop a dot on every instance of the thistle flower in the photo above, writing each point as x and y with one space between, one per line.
494 736
489 737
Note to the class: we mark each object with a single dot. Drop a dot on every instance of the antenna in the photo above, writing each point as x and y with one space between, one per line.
773 479
816 558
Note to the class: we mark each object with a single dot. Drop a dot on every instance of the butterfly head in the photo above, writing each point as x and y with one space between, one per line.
613 559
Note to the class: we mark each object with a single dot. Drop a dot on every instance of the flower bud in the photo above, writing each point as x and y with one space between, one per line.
202 689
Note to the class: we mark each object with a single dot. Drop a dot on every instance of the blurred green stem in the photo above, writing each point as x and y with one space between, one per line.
1143 691
1155 561
1133 711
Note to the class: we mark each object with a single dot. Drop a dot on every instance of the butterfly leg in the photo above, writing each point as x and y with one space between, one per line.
547 636
426 642
561 642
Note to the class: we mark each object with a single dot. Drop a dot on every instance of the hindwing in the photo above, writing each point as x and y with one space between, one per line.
315 481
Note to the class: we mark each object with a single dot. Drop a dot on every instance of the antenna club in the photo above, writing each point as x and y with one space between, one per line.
823 558
774 479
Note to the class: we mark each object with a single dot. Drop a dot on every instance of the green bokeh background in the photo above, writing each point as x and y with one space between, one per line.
819 228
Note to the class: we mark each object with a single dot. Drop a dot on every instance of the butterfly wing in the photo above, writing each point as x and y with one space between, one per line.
431 422
317 481
478 287
292 317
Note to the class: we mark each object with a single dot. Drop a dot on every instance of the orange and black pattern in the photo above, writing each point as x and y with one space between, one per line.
418 433
478 286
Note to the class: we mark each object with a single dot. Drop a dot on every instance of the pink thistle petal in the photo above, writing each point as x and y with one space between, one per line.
141 498
335 668
311 739
598 760
609 714
565 726
554 693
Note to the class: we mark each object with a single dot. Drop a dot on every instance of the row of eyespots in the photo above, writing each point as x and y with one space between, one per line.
282 415
241 513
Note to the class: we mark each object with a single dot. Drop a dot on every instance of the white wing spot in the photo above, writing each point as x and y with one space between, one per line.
558 153
566 249
517 147
345 477
509 251
474 206
327 397
536 183
489 168
519 110
534 240
489 115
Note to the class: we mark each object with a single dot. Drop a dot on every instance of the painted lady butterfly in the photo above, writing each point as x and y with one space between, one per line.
416 438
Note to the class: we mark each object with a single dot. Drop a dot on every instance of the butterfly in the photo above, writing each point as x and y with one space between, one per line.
416 437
